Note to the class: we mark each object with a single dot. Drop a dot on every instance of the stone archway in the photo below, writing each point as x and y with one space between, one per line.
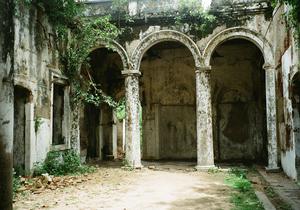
101 138
161 36
203 105
239 33
116 47
266 49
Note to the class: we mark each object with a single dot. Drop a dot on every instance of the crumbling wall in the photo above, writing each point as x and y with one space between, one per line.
6 102
35 61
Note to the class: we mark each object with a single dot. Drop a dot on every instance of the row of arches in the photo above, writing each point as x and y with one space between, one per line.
200 59
163 94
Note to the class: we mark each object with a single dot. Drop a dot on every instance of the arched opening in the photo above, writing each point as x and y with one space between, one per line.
101 132
22 98
239 102
296 119
167 96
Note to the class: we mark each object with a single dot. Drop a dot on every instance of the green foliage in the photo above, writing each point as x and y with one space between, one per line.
244 198
16 184
292 15
199 22
75 36
37 123
80 43
191 13
62 163
120 109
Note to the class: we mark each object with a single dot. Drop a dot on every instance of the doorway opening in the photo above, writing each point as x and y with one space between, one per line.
22 98
101 131
238 102
168 103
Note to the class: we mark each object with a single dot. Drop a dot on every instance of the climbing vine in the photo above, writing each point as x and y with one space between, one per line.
292 15
192 15
200 23
75 36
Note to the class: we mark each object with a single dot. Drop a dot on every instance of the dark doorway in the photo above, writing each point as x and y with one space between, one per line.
238 100
21 98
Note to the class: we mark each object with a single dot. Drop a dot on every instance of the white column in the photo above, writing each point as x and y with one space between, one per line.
133 135
271 117
30 145
115 136
124 135
100 145
205 151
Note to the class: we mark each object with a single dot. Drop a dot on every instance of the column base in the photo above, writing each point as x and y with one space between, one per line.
205 168
272 169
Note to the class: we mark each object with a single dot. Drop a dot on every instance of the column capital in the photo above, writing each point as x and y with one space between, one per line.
268 66
127 72
205 69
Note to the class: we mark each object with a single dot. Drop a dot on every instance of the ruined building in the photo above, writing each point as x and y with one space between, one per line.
229 94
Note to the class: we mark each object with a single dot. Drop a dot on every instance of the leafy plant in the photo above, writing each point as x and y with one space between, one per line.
37 123
120 109
16 184
292 15
62 163
244 198
191 13
74 37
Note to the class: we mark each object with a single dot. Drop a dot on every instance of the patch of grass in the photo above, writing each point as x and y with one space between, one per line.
244 197
62 163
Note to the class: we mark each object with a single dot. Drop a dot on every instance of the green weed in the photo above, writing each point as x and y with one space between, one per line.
62 163
244 197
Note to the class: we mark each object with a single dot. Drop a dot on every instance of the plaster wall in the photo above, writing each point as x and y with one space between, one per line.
288 152
168 101
35 60
238 102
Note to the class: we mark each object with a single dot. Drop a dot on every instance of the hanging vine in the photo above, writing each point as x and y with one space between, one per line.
292 15
75 36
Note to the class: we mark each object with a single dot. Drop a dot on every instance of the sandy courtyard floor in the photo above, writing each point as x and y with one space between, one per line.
156 188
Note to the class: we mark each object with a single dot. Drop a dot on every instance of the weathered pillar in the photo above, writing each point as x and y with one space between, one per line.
6 102
205 152
6 143
114 136
271 117
133 134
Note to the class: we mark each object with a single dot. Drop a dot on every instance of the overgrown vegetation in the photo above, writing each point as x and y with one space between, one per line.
244 198
74 37
200 23
192 15
16 184
292 15
59 163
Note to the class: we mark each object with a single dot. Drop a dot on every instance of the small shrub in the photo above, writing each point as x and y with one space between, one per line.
62 163
16 184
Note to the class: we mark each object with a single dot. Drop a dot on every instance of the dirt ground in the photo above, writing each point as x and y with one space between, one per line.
156 187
